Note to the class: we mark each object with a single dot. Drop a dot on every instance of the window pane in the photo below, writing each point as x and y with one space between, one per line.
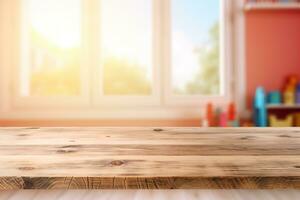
51 40
126 43
196 47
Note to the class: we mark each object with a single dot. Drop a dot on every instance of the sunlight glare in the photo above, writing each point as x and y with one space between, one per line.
126 30
50 19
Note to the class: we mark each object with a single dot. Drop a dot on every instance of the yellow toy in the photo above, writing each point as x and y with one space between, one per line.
297 119
276 122
289 95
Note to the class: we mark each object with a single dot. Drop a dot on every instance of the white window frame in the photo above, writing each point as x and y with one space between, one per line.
92 105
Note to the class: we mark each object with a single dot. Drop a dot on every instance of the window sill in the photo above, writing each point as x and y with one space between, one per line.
101 123
141 113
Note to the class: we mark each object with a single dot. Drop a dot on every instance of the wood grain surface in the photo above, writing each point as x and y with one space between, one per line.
149 158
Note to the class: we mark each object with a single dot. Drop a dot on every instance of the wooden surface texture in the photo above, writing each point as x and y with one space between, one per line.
149 158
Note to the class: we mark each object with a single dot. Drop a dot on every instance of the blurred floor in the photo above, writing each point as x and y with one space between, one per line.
149 195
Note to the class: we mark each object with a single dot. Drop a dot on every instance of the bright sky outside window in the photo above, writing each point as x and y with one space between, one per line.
196 47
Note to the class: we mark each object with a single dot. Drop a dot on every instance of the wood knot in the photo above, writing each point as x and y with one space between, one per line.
117 163
68 149
297 167
285 136
158 130
247 138
26 168
22 135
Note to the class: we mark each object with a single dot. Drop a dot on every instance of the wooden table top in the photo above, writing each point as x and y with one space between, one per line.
149 158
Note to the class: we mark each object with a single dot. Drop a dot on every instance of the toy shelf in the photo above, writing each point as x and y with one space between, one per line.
282 106
272 6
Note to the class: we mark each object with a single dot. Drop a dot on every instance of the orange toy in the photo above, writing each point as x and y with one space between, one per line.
292 81
210 114
289 95
231 112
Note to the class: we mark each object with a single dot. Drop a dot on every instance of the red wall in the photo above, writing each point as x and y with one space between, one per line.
272 48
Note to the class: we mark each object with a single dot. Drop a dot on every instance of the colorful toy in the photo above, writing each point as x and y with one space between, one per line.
234 123
289 95
218 118
210 114
292 80
232 118
275 122
247 124
218 113
260 110
274 97
231 112
223 120
298 94
297 120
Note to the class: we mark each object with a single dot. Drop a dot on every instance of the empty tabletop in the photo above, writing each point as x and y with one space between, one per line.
149 158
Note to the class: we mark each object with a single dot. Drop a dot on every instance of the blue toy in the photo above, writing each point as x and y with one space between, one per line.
274 97
260 110
298 94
